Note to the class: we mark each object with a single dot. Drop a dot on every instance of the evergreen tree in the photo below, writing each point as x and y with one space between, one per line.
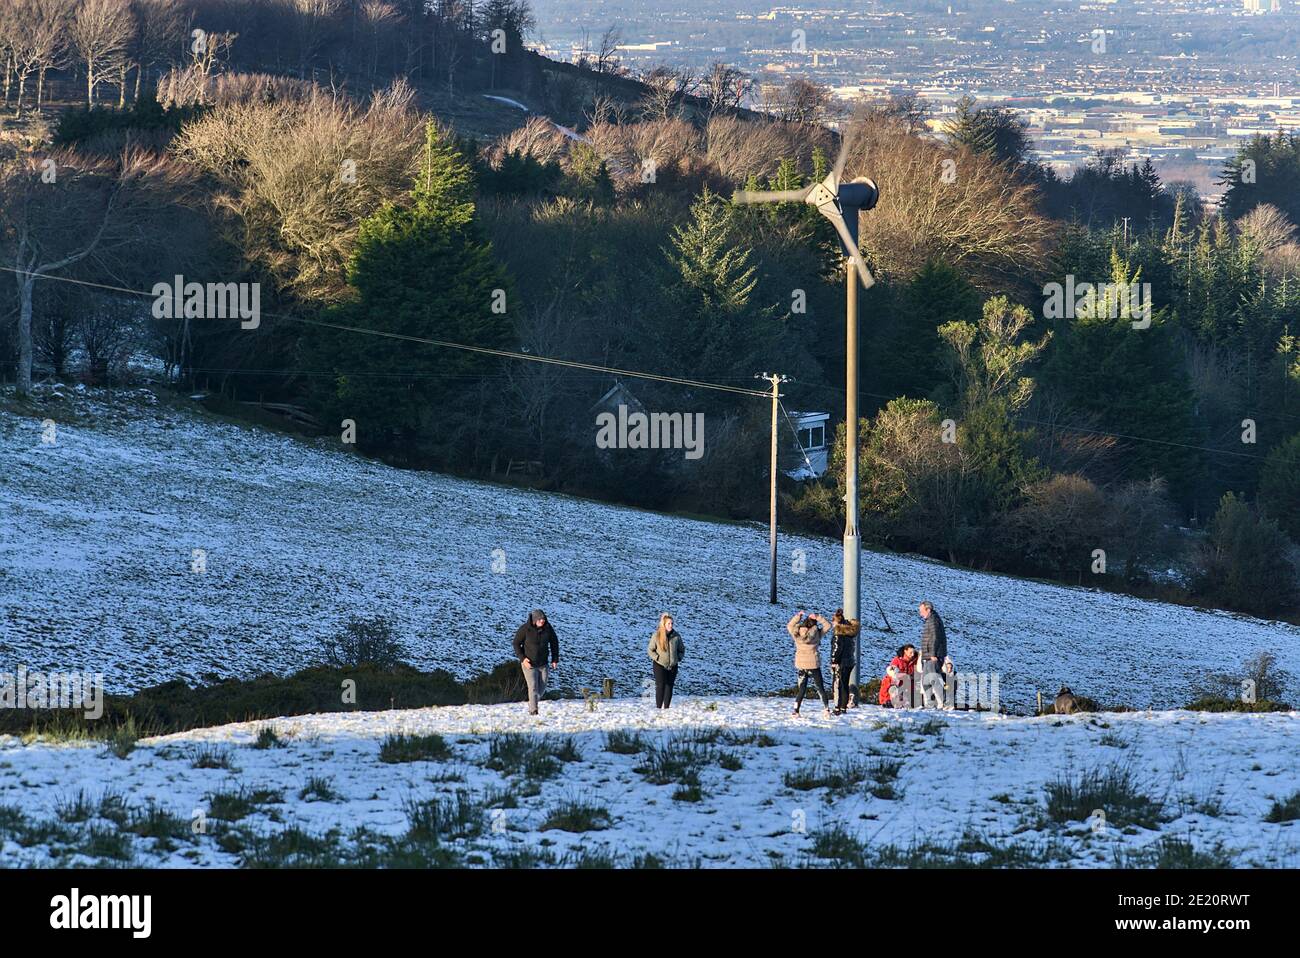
1279 486
1132 380
421 268
1245 564
996 132
590 174
716 331
938 294
988 360
1265 170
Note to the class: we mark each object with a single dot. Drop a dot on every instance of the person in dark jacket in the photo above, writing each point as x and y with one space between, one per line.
843 633
934 649
533 640
666 651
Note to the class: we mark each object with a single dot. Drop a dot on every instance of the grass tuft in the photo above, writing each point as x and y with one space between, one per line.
1113 790
413 748
577 816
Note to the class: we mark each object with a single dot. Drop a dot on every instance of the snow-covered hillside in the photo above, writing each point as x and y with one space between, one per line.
98 533
876 785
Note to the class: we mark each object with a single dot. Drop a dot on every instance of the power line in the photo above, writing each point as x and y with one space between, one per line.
636 374
445 344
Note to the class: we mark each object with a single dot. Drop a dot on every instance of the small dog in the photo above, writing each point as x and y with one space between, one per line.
1065 702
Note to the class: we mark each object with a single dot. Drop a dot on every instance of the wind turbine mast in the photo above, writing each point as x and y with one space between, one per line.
841 203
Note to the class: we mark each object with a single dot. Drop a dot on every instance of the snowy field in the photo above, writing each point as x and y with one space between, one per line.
924 780
98 533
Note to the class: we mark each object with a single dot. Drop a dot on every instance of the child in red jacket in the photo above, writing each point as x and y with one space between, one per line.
896 686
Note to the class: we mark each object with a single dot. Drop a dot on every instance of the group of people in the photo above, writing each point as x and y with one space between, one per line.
536 645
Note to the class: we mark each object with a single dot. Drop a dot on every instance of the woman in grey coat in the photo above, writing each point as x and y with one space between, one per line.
666 650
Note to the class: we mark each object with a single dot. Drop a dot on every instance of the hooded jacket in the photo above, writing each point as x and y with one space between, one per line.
532 643
807 645
842 641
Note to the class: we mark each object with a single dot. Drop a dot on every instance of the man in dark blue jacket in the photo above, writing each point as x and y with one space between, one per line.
934 649
533 640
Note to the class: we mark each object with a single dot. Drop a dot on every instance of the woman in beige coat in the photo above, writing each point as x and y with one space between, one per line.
807 632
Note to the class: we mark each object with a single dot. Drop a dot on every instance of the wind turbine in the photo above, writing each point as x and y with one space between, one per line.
837 201
841 203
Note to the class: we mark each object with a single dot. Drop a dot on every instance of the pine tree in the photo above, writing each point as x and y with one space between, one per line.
937 295
1246 565
1132 380
1279 486
710 284
421 268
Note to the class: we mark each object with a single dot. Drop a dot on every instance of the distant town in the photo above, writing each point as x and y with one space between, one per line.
1177 81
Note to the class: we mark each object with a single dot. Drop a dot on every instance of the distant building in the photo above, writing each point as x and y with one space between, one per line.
813 444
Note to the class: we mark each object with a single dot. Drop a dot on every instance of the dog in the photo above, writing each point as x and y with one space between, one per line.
1065 702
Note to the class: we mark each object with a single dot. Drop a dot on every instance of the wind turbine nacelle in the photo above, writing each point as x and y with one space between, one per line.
861 193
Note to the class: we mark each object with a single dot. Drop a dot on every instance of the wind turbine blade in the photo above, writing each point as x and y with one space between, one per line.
770 196
846 143
864 274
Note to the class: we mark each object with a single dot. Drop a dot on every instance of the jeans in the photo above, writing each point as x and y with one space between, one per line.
536 679
816 676
664 679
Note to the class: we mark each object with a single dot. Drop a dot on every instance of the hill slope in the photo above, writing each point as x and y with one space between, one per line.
98 532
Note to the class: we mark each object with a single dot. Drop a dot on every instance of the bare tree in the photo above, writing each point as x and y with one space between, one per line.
62 211
961 206
56 53
724 88
739 148
193 84
451 17
803 101
101 32
537 138
607 56
298 177
312 23
378 20
8 24
605 109
108 330
159 34
34 33
666 87
1267 228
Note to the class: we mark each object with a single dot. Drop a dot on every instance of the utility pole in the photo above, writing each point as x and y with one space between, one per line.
775 379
